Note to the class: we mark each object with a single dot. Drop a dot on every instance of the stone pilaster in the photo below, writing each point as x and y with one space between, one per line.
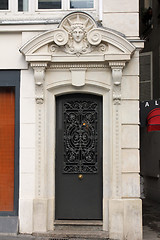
117 68
40 203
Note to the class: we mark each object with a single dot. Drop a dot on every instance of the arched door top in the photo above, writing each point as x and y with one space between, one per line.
78 38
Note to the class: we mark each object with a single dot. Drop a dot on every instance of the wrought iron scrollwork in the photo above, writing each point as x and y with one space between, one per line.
80 136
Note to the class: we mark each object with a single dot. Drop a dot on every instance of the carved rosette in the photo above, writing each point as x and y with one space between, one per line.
60 37
94 37
39 76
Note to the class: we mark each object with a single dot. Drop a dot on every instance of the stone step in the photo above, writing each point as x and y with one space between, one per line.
74 235
89 235
77 225
75 230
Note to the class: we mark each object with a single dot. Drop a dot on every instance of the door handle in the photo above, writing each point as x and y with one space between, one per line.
80 176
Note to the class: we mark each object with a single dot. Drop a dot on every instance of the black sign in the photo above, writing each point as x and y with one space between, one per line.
145 108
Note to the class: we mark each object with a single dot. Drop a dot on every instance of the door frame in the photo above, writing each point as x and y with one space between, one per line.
9 219
52 90
11 78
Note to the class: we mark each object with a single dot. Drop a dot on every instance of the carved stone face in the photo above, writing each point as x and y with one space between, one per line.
78 34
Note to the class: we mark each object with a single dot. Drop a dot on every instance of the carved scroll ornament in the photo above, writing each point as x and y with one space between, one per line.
117 68
39 76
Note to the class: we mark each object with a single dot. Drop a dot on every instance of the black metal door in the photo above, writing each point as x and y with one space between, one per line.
78 157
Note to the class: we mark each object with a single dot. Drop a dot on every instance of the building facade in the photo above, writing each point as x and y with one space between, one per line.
70 72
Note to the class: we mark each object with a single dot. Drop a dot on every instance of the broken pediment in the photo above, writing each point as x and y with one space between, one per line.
78 36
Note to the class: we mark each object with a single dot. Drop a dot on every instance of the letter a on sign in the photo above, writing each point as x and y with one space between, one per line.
147 104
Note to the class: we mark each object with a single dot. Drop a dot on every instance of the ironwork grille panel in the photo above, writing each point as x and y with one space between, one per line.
80 136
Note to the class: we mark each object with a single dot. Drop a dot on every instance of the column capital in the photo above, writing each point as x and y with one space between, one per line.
117 64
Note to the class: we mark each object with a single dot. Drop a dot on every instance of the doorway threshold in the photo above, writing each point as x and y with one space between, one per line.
74 235
80 229
78 225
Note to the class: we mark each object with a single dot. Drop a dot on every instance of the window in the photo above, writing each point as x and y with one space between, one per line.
49 4
159 63
4 5
146 76
81 3
147 3
22 5
59 4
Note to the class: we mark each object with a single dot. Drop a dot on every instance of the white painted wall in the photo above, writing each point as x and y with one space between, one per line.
122 16
27 151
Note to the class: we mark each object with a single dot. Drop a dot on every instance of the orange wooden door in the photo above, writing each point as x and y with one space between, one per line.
7 134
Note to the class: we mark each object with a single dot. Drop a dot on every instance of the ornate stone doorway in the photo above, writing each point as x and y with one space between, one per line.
80 58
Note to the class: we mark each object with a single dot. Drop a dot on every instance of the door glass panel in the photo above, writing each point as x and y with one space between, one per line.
49 4
7 134
80 136
81 3
4 5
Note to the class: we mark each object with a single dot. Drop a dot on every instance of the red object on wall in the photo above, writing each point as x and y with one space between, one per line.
153 120
7 132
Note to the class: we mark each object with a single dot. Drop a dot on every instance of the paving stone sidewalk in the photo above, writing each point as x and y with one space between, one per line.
151 220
